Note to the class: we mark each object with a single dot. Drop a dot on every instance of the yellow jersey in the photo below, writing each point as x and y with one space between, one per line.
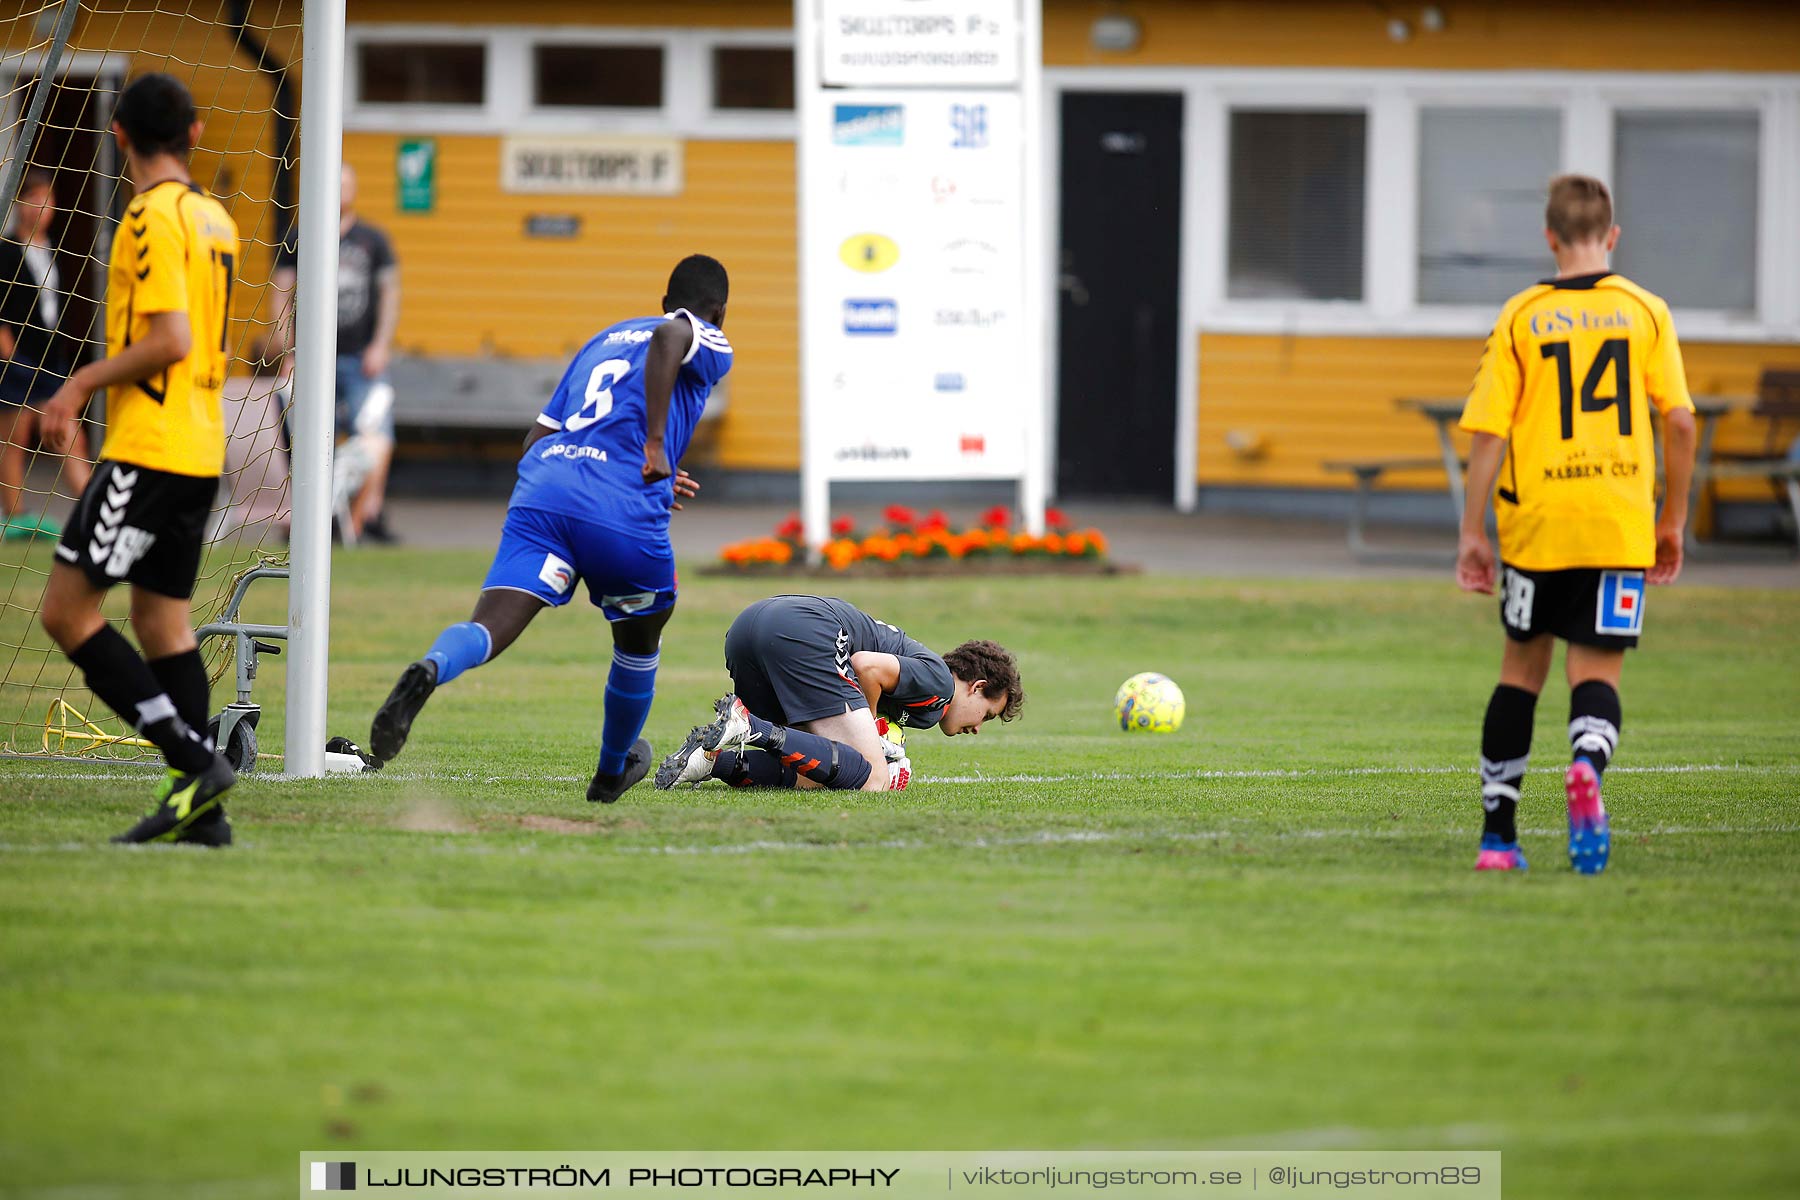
1568 378
176 251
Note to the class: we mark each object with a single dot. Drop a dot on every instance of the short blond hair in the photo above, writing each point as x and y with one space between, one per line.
1579 210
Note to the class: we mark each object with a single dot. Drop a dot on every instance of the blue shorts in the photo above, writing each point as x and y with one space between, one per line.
546 554
353 388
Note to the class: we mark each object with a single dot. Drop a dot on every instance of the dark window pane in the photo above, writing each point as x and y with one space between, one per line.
423 72
760 77
1296 206
1481 200
598 76
1684 191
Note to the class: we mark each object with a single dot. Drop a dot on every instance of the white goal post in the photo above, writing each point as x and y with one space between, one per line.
315 383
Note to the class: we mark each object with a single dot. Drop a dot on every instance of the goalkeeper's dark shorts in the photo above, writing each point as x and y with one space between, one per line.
789 660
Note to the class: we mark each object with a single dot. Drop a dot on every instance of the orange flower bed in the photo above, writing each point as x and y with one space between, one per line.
905 536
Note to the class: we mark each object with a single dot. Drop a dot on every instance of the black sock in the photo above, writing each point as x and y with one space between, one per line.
752 768
1505 754
183 676
121 679
1594 718
836 765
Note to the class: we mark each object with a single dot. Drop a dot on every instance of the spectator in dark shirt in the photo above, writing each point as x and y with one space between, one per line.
368 311
33 359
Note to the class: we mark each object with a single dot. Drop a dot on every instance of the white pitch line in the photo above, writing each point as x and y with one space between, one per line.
1346 772
1078 777
1052 837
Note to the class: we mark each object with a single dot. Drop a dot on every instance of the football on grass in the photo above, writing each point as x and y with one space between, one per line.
1149 703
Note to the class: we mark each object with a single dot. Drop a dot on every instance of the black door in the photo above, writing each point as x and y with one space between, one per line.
1119 284
72 145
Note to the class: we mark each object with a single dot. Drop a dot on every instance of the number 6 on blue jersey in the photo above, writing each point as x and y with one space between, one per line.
599 393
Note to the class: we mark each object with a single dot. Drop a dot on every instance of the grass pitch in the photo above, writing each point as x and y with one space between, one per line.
1261 931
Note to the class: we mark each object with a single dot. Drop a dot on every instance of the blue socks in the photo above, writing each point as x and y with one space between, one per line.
630 688
459 648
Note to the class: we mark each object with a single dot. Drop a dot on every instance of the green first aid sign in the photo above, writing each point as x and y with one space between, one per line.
415 170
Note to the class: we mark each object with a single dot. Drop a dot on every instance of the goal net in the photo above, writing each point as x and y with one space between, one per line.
62 66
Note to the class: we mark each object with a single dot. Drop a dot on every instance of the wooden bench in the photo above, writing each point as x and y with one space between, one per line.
1783 473
1777 404
464 399
1368 473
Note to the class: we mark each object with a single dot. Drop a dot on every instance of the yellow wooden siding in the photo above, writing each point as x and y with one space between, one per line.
473 283
1309 399
1651 35
235 158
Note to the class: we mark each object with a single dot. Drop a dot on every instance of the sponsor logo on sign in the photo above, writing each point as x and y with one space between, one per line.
871 318
948 381
970 256
869 452
863 184
971 318
974 444
968 127
870 253
868 125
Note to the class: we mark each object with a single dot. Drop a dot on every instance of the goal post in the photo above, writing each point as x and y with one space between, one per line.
315 340
63 64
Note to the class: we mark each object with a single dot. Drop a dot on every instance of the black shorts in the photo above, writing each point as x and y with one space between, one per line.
789 661
1588 606
139 526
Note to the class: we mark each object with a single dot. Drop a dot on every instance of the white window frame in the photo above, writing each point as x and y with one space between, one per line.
1321 99
749 119
409 117
521 74
686 110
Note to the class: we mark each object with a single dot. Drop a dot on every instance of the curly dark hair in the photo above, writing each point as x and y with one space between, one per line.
981 659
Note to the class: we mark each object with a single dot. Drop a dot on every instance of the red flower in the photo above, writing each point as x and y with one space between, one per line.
899 514
1055 518
790 528
843 526
935 520
998 515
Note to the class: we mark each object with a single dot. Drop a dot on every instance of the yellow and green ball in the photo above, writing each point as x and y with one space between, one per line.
1149 703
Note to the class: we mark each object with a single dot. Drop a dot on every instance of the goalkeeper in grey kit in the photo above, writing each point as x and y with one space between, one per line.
820 691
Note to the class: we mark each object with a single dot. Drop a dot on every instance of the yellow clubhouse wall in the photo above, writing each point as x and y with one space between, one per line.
1302 400
474 284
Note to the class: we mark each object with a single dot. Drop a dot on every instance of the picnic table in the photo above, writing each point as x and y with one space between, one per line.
1444 413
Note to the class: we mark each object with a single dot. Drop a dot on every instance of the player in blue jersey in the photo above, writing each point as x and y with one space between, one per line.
596 484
